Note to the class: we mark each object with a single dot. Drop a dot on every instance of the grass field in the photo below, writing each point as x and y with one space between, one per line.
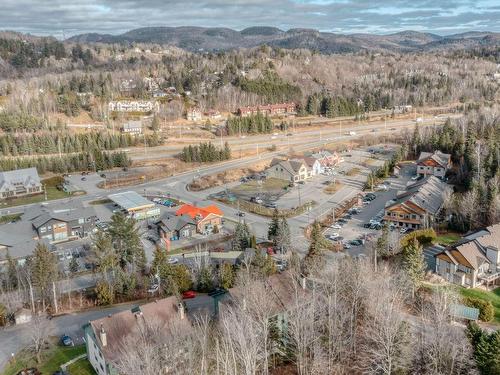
81 367
493 297
447 238
353 172
332 188
52 359
52 193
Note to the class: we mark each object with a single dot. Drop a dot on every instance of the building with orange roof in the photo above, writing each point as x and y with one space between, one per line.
206 218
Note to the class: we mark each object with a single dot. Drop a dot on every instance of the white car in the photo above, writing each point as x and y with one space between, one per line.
336 226
173 261
333 235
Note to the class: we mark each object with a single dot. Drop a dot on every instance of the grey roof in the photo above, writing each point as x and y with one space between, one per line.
19 238
428 194
27 176
43 214
291 166
173 223
129 200
439 157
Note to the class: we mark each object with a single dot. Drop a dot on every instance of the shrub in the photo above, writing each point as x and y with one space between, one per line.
486 311
424 236
104 294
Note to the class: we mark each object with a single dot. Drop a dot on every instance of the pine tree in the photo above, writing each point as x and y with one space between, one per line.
413 261
11 272
282 239
241 239
43 266
125 238
273 225
73 265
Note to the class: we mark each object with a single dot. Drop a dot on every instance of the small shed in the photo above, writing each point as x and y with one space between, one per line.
22 316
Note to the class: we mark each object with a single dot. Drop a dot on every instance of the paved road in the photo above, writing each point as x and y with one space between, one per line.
15 338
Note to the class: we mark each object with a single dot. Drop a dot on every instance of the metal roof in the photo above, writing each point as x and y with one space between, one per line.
464 312
130 200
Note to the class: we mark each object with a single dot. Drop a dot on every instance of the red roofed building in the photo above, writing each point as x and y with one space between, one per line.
268 109
206 218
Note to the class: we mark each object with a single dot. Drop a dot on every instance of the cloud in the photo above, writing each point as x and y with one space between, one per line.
55 17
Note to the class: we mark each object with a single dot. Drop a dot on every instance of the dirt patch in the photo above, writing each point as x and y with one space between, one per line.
353 172
332 187
225 177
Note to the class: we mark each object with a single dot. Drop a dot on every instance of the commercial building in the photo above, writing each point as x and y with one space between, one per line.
418 206
268 109
206 218
176 227
19 183
294 170
133 106
433 164
135 205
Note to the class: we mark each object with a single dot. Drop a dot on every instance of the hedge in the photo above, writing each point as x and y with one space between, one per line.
486 311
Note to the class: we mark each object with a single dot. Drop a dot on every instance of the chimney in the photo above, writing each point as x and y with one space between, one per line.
103 337
180 308
303 280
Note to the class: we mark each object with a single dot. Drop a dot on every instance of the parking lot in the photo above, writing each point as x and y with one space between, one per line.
352 225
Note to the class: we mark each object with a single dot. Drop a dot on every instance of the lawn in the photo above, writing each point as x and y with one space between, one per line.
8 218
81 367
447 238
52 359
51 189
493 297
353 172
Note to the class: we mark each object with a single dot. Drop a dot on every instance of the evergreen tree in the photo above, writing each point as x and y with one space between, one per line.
413 261
126 241
241 239
43 266
227 276
282 239
273 225
73 265
11 272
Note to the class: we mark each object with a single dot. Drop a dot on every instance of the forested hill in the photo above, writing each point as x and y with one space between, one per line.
210 39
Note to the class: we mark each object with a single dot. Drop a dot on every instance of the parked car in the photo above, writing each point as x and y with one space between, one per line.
188 294
355 242
240 214
172 261
347 246
336 226
403 230
153 288
342 220
67 340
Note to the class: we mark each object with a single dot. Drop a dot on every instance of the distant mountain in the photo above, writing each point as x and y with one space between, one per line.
218 38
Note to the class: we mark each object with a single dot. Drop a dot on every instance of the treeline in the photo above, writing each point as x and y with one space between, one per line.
254 124
205 153
333 106
22 54
96 160
271 87
14 121
52 143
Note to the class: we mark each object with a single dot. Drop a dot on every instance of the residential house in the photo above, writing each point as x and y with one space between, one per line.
326 158
193 114
62 224
132 127
133 106
313 165
268 109
206 218
418 206
20 183
433 164
105 337
176 227
17 241
473 260
294 170
213 114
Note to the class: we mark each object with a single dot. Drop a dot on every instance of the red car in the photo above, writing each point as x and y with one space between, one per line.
188 294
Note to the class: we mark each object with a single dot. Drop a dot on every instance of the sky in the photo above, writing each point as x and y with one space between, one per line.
70 17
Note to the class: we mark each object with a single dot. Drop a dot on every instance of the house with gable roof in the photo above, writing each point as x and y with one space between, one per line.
19 183
419 205
293 170
433 164
205 218
473 260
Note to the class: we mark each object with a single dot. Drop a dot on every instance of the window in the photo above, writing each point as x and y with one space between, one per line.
81 220
43 229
